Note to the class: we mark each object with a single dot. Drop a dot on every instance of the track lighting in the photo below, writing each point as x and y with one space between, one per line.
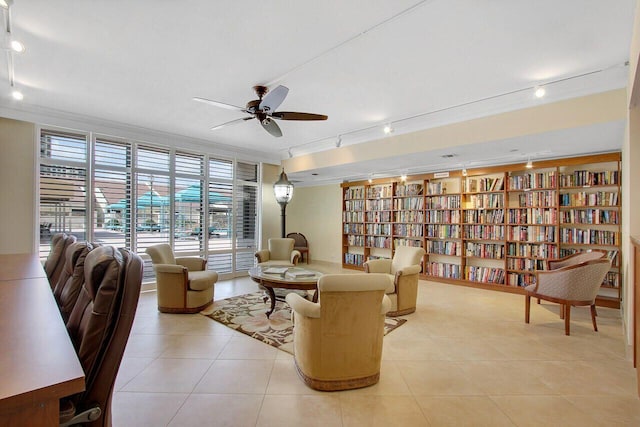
403 177
290 153
540 92
16 46
464 171
339 141
370 178
17 95
387 129
529 165
5 3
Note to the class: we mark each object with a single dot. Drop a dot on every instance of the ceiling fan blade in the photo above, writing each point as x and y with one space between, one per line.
232 122
271 127
220 104
292 115
273 99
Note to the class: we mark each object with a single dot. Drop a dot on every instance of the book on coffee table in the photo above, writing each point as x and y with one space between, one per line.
276 270
300 273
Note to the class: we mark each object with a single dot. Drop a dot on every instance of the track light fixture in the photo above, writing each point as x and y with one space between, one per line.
387 129
17 95
464 171
5 4
370 178
529 165
339 141
290 153
14 46
540 92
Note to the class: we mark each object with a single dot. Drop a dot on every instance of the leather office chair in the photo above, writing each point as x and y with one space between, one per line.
72 277
54 264
183 284
338 341
301 245
99 328
280 252
573 285
402 278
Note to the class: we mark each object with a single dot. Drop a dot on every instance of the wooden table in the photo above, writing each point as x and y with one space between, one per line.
38 364
285 281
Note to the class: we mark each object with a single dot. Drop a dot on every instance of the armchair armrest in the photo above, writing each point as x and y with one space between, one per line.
303 307
386 305
407 271
262 255
192 263
378 266
295 256
169 268
553 283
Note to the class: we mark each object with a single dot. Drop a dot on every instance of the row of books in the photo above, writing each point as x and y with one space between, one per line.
440 216
379 191
443 202
592 237
583 198
378 242
348 228
444 247
484 250
492 216
354 205
438 187
379 216
484 232
533 216
417 243
484 274
526 264
532 250
354 193
478 185
411 216
408 203
408 230
384 229
521 279
409 190
443 231
532 233
582 178
612 255
533 180
354 240
490 200
353 259
538 199
441 269
590 216
350 216
379 204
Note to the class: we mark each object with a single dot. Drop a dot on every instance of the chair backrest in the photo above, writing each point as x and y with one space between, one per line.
54 264
578 282
71 280
280 248
299 240
101 321
406 256
576 258
161 254
350 311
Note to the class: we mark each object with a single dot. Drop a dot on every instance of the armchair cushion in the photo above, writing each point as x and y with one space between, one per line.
192 263
280 252
202 280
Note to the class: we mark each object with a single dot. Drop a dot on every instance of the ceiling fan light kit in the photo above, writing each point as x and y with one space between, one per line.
264 109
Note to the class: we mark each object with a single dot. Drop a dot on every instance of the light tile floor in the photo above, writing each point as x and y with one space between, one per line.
465 358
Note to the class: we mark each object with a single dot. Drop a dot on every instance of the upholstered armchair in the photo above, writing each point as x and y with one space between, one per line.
573 285
54 265
338 341
280 252
402 278
576 258
184 285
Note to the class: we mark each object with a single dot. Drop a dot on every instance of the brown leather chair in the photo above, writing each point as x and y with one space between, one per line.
68 287
301 245
184 285
54 264
338 341
99 328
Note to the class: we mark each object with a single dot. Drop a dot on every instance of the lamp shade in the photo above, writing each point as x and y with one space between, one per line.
283 189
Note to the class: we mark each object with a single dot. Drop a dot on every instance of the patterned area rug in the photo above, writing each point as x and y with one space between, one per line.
246 314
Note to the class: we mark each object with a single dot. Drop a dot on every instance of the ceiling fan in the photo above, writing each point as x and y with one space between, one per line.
264 109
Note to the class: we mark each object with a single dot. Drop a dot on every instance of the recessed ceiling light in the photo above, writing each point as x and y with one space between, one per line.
16 46
540 92
17 95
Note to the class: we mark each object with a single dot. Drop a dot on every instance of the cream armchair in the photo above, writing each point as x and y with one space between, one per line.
402 278
280 252
338 341
183 284
573 285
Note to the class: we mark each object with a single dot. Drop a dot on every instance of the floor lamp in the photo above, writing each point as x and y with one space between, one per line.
283 190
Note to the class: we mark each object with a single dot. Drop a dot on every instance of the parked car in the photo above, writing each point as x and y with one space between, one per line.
213 231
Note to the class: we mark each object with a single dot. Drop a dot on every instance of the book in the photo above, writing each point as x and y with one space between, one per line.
300 273
275 270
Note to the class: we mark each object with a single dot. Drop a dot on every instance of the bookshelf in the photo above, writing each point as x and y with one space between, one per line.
495 227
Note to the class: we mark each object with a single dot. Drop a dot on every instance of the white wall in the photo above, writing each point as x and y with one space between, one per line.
270 226
17 187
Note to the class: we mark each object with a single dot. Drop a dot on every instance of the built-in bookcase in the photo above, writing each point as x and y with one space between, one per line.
492 228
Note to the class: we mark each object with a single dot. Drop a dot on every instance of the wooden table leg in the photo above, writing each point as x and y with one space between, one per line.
272 296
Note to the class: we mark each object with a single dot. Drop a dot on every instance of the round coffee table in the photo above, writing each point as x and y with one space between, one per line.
284 277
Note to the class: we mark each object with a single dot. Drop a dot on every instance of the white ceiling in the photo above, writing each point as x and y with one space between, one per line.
137 65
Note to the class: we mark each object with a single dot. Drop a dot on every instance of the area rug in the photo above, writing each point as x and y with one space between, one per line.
246 314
